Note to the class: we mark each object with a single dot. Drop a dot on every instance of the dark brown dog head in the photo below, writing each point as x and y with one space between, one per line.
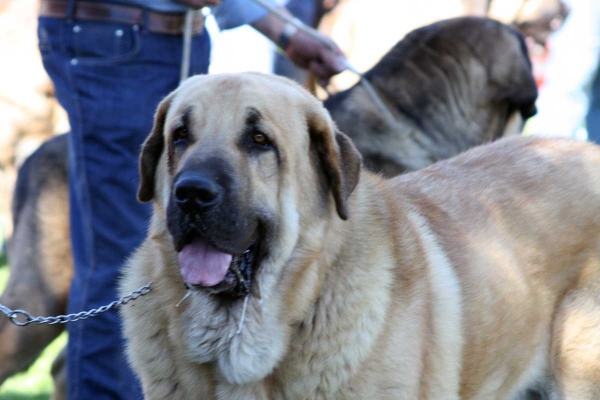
449 86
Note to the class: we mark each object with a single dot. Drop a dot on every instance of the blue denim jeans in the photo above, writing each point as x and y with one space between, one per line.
593 115
110 78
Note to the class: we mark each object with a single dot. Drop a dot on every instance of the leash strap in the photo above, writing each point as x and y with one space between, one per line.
187 45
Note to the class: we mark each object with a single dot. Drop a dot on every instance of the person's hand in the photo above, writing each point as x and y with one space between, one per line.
199 3
313 51
322 57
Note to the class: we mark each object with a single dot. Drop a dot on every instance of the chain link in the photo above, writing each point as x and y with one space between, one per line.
23 318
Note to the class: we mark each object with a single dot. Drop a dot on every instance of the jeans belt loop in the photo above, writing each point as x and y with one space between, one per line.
70 11
145 22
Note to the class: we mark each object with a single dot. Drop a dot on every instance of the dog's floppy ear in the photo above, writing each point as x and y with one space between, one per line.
340 160
151 151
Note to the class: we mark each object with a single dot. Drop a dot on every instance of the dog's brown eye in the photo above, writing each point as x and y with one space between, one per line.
180 134
258 141
260 138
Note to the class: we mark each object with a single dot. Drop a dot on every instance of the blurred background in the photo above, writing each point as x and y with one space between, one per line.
564 52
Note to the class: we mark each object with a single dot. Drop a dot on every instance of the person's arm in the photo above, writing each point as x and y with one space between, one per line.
323 59
199 3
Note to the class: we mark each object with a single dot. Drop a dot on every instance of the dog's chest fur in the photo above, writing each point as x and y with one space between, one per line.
316 358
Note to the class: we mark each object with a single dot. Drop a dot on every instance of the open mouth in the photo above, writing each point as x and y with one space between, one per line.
203 266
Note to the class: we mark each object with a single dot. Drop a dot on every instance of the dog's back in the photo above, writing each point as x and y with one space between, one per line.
521 234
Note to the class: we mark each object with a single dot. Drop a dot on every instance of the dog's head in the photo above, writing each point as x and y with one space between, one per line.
241 167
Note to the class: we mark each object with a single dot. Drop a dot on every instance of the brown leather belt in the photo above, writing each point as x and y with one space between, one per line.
170 24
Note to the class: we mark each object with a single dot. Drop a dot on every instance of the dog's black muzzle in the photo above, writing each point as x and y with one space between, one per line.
205 202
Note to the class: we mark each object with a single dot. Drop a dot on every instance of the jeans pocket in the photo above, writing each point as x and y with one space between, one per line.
97 43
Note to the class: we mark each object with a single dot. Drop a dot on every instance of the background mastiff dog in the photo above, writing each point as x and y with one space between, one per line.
41 263
476 278
452 85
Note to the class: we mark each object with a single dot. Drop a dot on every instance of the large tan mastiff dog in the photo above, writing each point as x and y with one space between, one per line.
476 278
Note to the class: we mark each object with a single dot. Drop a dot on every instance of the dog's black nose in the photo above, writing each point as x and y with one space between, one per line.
196 193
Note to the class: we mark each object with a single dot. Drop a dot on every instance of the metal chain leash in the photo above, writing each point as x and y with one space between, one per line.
13 315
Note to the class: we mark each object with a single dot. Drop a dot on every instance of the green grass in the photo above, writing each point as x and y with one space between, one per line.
35 383
3 274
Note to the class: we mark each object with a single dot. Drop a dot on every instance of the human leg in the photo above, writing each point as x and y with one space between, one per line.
110 78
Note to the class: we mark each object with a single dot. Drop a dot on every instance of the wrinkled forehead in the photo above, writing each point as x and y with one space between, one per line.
232 99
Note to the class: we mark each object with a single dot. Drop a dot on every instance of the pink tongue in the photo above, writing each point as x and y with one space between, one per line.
202 264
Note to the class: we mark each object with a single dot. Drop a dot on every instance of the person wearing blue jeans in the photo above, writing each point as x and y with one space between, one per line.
111 64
